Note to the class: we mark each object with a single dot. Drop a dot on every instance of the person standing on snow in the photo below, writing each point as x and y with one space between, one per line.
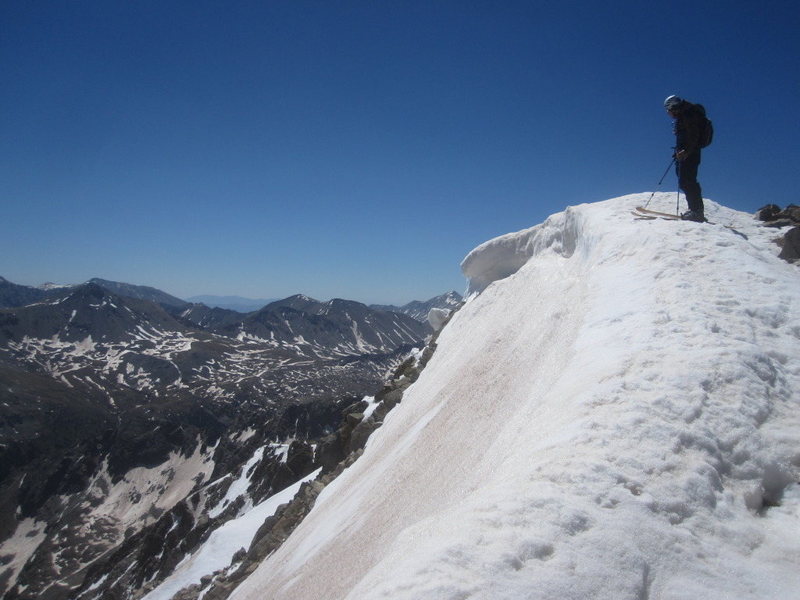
687 125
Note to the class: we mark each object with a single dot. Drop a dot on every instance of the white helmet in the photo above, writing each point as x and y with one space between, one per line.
672 102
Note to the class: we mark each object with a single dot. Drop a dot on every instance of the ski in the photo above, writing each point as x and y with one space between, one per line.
645 212
640 217
650 217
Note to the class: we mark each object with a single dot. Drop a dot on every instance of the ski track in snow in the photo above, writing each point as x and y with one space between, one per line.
615 416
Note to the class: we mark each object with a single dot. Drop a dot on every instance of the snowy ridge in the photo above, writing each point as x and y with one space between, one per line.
614 416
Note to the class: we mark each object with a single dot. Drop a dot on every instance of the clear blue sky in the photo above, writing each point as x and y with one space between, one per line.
361 149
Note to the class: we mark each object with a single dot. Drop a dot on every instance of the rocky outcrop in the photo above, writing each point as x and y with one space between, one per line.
774 216
790 245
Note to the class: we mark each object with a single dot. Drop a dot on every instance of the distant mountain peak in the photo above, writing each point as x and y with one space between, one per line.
419 309
140 292
49 285
90 288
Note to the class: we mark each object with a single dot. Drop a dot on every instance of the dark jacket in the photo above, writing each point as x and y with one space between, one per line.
688 126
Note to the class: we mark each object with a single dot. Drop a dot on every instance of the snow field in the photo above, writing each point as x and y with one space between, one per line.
120 503
614 416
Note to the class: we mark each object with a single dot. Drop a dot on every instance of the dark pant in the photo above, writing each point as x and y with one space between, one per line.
687 181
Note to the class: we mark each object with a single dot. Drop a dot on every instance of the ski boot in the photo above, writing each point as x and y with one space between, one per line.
694 215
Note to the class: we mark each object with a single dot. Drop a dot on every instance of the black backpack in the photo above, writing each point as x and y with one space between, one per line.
706 127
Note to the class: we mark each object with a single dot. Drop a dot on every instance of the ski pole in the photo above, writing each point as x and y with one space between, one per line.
660 181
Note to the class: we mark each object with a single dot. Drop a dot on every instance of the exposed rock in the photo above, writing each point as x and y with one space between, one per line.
361 433
779 223
773 212
790 246
768 212
793 212
773 216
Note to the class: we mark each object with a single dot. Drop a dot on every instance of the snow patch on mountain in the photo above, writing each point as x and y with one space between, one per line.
612 415
238 487
17 549
163 486
218 551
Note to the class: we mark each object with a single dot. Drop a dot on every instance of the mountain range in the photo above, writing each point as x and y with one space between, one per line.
12 295
118 400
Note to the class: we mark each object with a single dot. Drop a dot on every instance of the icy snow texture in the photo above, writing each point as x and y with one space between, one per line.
615 416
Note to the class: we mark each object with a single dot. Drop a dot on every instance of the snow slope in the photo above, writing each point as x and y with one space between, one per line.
615 416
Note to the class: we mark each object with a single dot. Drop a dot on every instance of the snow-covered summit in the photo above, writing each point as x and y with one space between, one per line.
614 414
